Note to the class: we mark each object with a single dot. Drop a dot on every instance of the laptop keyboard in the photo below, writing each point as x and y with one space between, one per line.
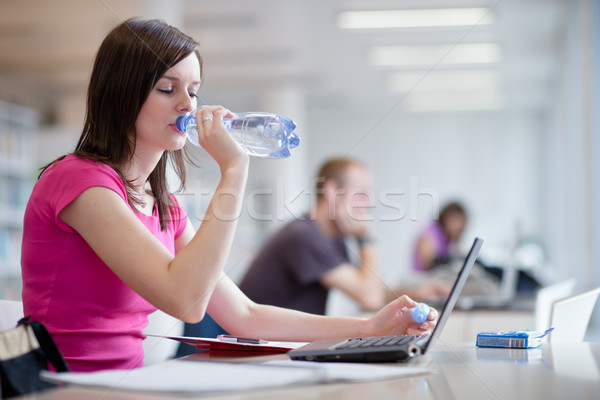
377 341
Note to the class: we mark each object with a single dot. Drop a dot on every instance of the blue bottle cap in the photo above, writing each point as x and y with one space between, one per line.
182 122
420 313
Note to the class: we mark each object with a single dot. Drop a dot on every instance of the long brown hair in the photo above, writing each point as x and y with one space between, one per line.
130 60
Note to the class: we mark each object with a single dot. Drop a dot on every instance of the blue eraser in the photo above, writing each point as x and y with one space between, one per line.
420 313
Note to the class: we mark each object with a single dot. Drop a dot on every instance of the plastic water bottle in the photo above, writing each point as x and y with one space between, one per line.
260 134
420 313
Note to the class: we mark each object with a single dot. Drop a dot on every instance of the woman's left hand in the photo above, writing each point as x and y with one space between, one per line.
396 319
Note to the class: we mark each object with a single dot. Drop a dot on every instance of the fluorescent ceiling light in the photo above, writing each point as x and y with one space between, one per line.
455 101
429 55
381 19
439 81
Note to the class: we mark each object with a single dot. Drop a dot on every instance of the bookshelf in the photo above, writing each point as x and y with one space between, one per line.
18 127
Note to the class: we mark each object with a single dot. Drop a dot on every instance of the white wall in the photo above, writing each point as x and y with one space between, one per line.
570 180
595 151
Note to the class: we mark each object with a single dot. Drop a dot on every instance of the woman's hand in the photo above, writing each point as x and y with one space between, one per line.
396 319
214 138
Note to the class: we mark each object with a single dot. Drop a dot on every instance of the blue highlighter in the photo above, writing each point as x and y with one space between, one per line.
420 313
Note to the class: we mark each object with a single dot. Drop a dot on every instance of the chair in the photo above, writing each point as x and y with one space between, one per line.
570 316
160 349
11 311
546 297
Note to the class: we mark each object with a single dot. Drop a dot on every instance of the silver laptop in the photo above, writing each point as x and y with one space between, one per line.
388 348
502 298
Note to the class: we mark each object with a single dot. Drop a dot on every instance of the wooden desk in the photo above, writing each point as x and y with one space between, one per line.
557 371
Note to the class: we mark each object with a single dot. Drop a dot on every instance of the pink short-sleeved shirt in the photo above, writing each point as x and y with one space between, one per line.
96 320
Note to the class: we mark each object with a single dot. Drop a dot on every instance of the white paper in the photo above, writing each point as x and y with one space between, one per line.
331 372
187 376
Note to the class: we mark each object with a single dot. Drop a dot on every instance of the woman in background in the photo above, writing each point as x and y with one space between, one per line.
437 244
105 243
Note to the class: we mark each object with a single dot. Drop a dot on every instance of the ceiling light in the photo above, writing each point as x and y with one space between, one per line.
448 80
381 19
428 55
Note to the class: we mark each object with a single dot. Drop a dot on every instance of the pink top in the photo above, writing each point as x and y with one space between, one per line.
94 317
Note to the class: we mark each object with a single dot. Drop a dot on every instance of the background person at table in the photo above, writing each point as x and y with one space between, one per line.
438 243
104 241
308 257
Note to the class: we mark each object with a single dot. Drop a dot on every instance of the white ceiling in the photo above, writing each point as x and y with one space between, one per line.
47 48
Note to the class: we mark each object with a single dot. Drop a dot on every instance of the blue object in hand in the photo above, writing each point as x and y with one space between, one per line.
420 313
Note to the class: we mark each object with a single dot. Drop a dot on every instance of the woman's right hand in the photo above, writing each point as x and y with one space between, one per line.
396 319
214 138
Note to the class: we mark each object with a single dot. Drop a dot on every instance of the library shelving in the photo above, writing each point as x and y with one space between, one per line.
18 129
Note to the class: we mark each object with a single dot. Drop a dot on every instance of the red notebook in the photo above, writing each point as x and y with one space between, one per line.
225 342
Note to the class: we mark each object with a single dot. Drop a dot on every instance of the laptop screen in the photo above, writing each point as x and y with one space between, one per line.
455 293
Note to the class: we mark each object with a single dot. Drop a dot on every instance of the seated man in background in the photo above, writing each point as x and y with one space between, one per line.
308 257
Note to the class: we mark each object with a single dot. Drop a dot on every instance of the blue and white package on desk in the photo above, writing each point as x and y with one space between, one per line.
525 339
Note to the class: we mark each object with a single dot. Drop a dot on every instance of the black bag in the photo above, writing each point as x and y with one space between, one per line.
24 352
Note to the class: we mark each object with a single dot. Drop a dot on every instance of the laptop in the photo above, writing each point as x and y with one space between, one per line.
388 348
481 290
504 296
570 316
